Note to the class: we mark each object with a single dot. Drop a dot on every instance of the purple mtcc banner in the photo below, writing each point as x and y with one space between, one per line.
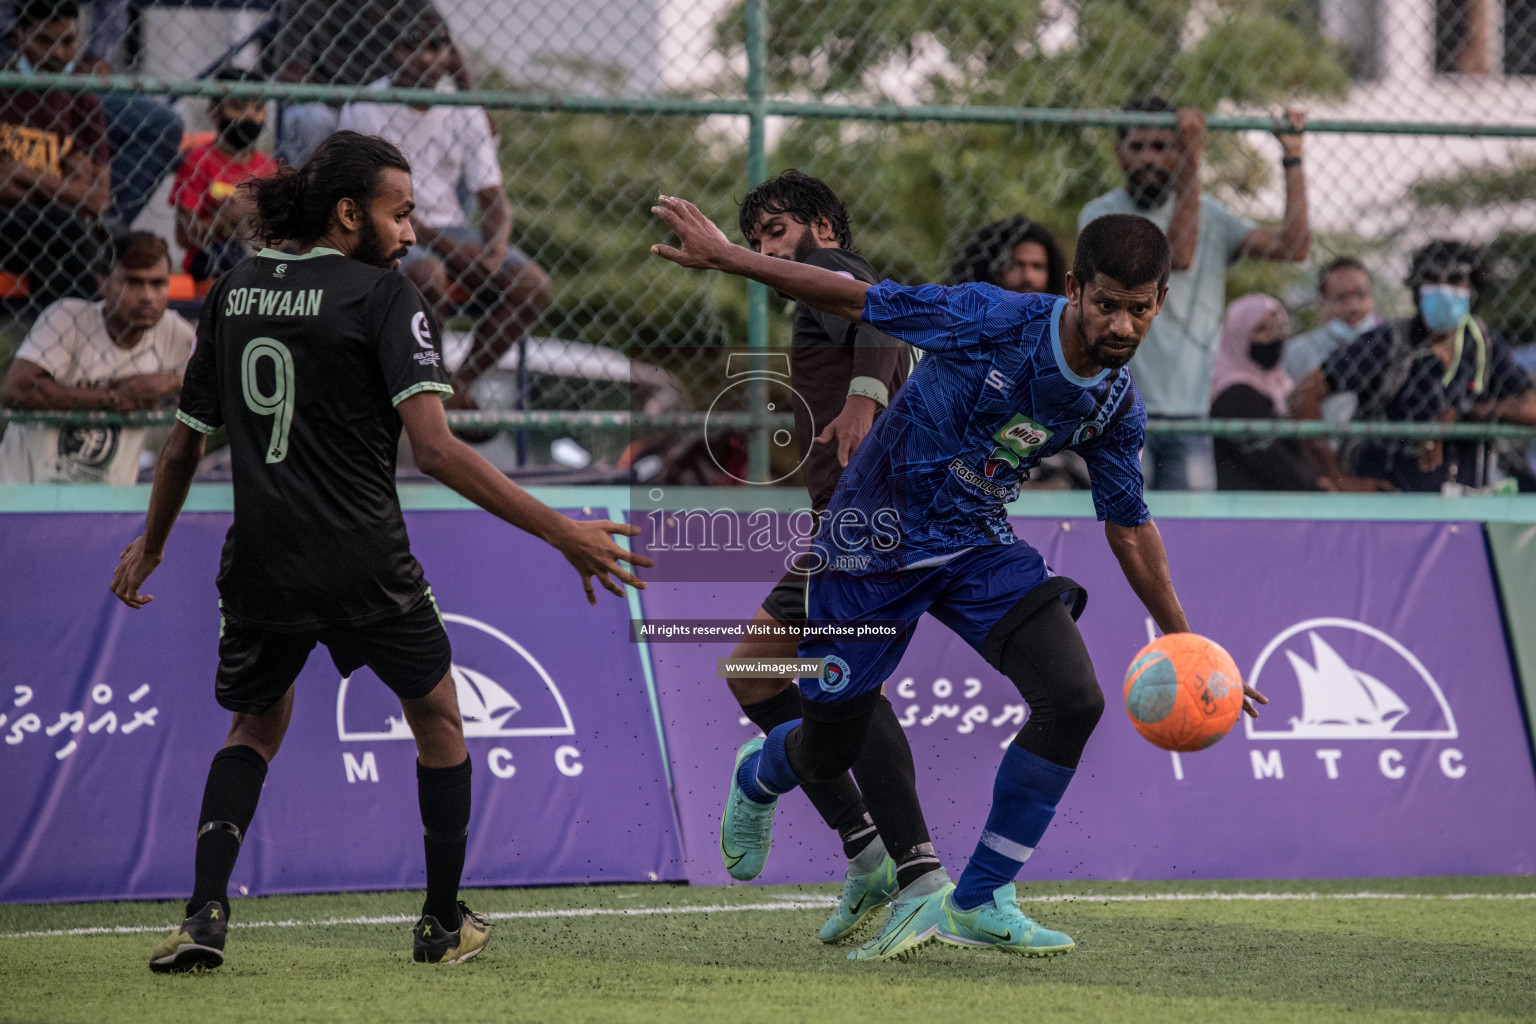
1391 746
108 722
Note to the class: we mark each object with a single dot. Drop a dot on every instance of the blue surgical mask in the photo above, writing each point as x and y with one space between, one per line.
1443 306
1343 333
25 67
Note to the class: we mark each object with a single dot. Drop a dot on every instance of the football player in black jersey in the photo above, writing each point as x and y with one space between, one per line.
312 360
843 372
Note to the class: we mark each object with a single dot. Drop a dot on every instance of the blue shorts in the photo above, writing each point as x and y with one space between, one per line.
983 595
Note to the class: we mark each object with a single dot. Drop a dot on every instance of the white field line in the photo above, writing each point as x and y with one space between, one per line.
793 904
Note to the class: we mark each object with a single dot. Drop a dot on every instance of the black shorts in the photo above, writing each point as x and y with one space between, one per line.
786 601
409 652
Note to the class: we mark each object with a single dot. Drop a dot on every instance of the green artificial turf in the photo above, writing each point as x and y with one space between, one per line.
1428 957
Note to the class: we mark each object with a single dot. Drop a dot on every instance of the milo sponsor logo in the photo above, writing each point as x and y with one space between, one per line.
1019 438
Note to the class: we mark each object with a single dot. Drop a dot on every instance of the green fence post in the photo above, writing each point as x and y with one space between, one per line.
1513 546
757 171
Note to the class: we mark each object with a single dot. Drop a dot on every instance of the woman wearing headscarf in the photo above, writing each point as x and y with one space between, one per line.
1250 384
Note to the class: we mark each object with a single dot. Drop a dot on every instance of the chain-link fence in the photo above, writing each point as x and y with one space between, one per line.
929 120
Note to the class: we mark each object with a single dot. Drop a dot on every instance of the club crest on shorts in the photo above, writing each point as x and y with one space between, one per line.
835 674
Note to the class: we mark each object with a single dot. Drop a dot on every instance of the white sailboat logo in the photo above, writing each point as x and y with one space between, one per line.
485 705
1338 701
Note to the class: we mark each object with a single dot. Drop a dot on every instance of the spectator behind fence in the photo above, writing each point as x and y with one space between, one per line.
451 147
1346 305
54 176
341 42
212 211
1250 384
123 353
143 131
1443 365
1014 253
1162 183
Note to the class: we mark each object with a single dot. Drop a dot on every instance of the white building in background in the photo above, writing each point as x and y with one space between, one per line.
1456 61
1443 61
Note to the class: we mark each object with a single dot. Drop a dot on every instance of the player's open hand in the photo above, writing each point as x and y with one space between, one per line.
850 427
1251 697
701 245
590 548
132 570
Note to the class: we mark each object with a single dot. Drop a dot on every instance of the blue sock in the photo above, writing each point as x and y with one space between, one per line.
1024 798
766 774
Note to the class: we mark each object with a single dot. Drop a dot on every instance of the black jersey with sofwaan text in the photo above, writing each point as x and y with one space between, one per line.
303 360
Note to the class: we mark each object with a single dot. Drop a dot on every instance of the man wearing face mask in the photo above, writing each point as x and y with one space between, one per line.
211 209
1346 305
1162 183
1442 365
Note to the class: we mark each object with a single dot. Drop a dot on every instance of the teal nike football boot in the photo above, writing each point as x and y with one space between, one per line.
862 895
1000 924
746 826
914 921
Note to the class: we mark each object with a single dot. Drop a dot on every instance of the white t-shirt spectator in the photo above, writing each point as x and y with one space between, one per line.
446 146
1174 365
70 341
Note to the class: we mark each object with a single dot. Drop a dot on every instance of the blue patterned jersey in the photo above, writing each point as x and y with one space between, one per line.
992 397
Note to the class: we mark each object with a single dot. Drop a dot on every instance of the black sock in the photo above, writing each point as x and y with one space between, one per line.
888 779
838 802
915 863
444 797
229 803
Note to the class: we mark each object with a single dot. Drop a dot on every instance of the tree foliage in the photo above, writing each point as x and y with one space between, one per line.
583 185
918 189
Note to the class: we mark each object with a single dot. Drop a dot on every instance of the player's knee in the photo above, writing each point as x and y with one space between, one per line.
826 765
428 275
1083 704
830 737
526 287
823 751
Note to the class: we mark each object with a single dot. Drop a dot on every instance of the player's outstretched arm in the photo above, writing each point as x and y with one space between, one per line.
587 545
703 246
1144 560
173 478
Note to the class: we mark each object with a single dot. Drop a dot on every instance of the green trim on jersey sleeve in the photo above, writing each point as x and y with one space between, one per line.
319 250
195 423
426 385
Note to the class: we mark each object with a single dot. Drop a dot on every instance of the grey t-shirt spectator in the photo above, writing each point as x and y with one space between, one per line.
1174 365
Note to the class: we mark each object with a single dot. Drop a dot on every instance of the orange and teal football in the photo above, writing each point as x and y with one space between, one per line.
1183 692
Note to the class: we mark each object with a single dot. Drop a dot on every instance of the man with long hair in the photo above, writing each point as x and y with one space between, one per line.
312 361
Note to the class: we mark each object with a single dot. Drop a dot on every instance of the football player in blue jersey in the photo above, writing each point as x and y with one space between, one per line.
918 524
